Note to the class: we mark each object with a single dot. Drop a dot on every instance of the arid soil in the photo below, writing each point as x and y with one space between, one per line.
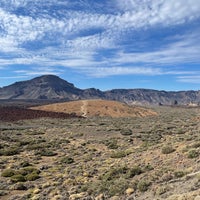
102 108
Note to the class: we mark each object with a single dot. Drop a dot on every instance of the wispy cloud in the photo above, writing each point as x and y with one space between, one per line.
185 50
162 12
34 71
111 71
66 37
13 77
189 79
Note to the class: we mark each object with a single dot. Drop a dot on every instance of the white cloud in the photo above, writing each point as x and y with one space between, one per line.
189 79
184 50
79 52
113 71
151 12
35 71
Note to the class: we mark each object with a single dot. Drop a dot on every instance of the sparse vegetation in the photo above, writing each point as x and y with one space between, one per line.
91 158
111 144
9 152
119 154
143 186
22 174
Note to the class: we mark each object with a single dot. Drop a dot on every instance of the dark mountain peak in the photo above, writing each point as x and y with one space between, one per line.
51 80
43 87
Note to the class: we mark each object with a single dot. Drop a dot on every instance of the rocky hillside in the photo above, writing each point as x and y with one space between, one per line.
44 87
50 87
154 97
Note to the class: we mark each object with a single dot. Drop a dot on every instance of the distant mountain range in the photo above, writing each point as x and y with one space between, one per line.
51 87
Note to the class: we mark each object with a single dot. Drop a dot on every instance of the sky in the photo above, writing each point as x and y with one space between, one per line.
105 44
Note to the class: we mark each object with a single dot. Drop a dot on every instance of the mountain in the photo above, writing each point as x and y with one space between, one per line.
44 87
154 97
51 87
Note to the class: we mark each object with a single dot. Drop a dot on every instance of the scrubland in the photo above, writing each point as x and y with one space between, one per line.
143 158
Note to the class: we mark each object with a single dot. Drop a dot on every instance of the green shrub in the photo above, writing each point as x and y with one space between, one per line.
114 173
9 152
148 167
19 186
179 174
193 154
143 186
67 160
28 170
25 174
126 132
46 153
32 177
136 170
25 164
111 144
18 178
118 154
8 173
167 149
24 143
108 187
35 147
118 187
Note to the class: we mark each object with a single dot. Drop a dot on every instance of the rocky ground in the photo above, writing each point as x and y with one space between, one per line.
10 113
155 157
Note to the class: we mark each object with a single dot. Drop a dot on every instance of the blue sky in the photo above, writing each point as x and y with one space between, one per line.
104 44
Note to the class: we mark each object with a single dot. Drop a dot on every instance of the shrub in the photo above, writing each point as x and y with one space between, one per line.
126 132
118 187
148 167
179 174
167 149
111 144
136 170
143 186
114 173
35 147
46 153
67 160
193 154
19 186
32 177
22 175
23 143
9 152
28 170
25 164
118 154
8 173
18 178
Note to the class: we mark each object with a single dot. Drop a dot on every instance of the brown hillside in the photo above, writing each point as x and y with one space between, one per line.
88 108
